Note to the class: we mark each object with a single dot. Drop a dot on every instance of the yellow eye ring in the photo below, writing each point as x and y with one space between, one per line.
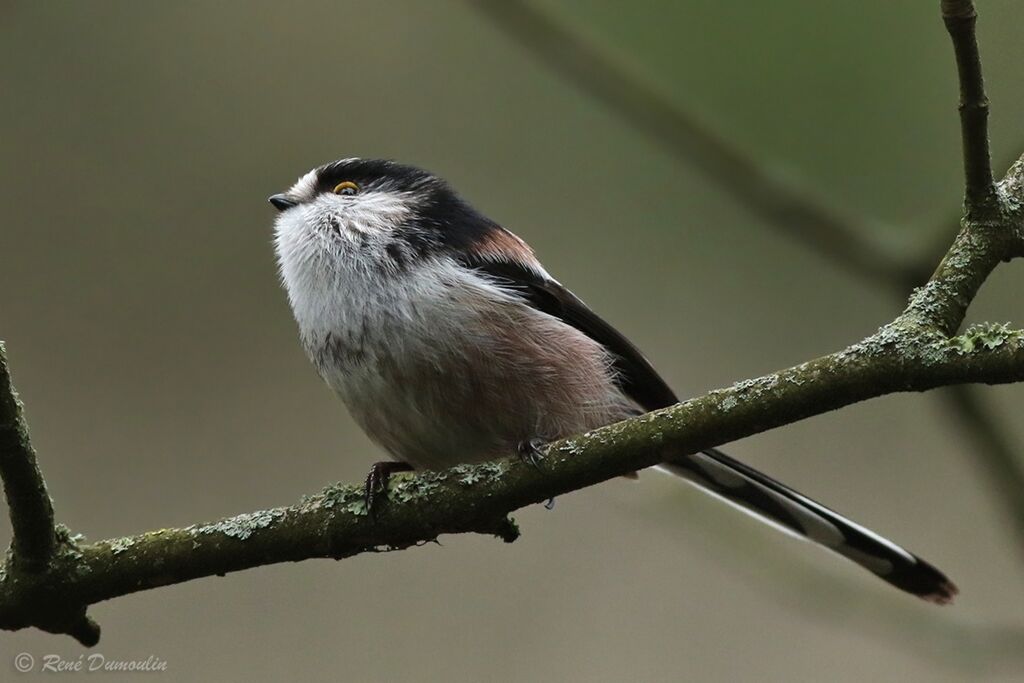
346 187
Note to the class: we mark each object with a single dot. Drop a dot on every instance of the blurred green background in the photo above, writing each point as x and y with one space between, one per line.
165 385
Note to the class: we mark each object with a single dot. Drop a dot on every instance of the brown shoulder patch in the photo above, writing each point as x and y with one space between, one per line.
500 244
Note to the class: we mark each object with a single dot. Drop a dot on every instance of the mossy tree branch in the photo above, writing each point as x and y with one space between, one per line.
902 356
917 351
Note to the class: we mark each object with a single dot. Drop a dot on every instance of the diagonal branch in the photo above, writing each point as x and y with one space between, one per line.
29 504
477 498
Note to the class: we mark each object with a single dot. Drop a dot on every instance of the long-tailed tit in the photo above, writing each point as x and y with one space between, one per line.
450 343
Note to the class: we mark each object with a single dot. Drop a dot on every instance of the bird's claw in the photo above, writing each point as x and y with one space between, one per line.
376 486
531 452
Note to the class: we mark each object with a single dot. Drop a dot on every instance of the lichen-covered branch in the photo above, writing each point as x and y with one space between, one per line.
981 245
27 500
477 498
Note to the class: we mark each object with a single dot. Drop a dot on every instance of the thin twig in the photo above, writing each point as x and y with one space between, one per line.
29 503
960 18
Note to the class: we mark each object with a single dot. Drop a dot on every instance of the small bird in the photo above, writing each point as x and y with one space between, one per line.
450 343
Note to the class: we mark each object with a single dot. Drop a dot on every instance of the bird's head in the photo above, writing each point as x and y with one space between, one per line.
353 206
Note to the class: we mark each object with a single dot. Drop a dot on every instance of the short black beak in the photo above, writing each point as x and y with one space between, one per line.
282 202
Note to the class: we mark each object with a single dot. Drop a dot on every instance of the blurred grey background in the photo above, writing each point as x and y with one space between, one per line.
164 383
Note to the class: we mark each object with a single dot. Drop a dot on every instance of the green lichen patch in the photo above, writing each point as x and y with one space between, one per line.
357 507
494 469
242 526
924 303
570 447
416 488
348 499
467 475
487 472
119 545
989 336
751 389
67 542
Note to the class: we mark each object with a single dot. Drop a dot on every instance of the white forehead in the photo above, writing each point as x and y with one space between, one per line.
305 187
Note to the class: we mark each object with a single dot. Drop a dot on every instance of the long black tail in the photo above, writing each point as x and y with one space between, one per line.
781 506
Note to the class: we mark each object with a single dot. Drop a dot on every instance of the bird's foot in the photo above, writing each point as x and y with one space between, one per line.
376 487
531 452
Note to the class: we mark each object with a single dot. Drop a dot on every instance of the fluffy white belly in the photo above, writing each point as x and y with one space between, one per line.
447 368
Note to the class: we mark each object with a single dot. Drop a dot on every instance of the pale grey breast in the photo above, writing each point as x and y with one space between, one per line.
441 366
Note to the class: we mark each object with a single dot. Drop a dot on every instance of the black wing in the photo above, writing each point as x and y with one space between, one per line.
635 375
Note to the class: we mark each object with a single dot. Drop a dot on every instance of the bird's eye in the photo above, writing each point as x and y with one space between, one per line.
346 187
